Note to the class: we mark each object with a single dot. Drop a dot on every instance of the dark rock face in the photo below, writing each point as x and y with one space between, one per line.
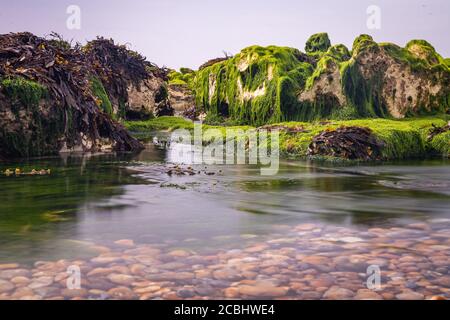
47 104
136 88
181 98
346 142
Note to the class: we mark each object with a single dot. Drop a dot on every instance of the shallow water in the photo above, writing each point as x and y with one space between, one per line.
104 198
100 199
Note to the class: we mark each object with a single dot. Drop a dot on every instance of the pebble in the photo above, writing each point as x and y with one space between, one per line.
185 293
299 264
103 260
125 243
122 293
6 286
366 294
9 266
179 253
148 289
11 273
231 292
40 282
437 298
73 293
410 296
337 293
227 274
19 280
262 289
123 279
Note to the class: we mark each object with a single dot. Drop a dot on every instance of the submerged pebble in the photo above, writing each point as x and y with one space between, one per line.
307 261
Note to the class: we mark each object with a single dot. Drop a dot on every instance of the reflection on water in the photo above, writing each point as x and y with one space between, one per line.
105 198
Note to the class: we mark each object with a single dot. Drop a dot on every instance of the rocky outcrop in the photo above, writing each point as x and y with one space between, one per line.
147 98
273 84
136 88
181 98
52 101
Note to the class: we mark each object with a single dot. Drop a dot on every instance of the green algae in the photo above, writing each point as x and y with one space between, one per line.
256 86
402 139
184 77
158 124
319 42
339 52
28 93
42 133
100 93
262 85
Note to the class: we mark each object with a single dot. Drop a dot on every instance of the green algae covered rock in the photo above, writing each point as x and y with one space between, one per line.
318 42
270 84
257 86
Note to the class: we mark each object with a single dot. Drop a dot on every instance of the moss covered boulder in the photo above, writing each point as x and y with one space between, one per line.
319 42
258 85
271 84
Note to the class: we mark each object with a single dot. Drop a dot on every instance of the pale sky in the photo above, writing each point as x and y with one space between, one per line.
186 33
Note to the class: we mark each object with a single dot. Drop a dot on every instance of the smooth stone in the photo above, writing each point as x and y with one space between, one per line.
443 281
305 227
21 292
99 272
102 260
138 269
231 292
171 276
437 298
5 266
311 295
409 296
315 260
122 293
33 297
419 225
148 289
61 276
185 293
125 243
227 274
205 290
337 293
322 282
20 280
45 292
262 289
74 293
257 248
123 279
40 282
366 294
179 253
6 286
100 249
411 285
11 273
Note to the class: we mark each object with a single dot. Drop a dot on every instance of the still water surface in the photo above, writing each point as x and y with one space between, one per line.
104 198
